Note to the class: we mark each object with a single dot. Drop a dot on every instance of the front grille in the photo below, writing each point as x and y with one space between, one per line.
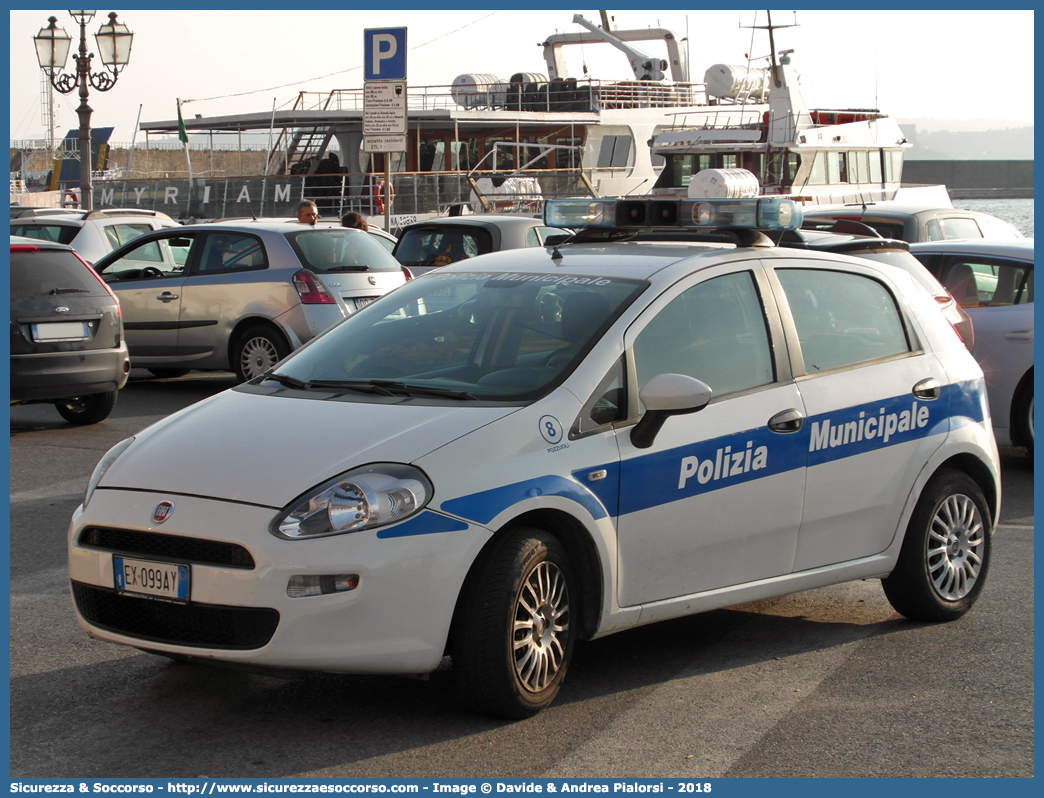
169 547
202 625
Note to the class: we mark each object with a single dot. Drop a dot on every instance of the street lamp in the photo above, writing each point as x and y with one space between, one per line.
52 49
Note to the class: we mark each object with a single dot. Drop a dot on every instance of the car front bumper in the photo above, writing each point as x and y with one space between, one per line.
395 621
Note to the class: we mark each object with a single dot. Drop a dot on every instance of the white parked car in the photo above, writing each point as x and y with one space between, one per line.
543 445
993 281
93 234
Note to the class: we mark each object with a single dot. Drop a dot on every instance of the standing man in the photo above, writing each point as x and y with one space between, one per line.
378 195
307 212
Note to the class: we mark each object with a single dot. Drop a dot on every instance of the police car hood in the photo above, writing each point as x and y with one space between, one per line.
268 450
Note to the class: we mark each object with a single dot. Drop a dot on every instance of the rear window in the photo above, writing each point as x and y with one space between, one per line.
341 250
908 263
883 228
59 233
50 274
441 245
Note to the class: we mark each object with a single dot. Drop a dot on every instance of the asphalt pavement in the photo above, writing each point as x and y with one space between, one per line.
829 682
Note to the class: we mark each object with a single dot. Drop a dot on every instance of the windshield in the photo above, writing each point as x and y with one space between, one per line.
341 250
62 233
468 335
441 245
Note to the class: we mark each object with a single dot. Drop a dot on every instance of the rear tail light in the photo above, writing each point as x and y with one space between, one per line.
311 291
105 285
407 273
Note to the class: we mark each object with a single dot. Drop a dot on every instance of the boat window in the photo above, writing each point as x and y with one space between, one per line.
818 174
833 167
893 165
875 166
857 170
615 152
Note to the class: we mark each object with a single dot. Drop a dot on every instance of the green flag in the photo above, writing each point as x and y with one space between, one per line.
182 134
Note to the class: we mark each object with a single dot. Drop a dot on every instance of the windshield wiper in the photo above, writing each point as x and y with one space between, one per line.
55 291
391 388
288 381
408 389
361 268
365 386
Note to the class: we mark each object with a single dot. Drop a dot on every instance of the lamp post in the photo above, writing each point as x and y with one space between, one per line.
52 49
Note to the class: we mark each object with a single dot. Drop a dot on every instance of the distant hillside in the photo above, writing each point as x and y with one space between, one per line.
1008 144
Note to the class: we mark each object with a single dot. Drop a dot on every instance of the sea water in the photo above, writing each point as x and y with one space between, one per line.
1018 212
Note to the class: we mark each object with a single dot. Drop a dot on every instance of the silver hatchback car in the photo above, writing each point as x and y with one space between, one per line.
240 296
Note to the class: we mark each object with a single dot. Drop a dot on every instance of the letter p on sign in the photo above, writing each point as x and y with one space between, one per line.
384 53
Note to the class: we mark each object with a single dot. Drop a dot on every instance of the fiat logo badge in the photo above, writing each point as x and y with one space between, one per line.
372 279
162 512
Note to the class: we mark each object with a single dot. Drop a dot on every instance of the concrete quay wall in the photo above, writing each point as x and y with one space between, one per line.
975 179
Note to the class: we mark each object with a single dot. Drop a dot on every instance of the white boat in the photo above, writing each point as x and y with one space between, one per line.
487 144
817 157
481 139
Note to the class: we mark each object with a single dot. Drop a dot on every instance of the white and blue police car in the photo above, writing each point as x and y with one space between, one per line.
665 414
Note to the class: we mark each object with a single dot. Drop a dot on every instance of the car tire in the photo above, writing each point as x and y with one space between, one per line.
513 635
945 556
87 409
1022 419
257 350
168 374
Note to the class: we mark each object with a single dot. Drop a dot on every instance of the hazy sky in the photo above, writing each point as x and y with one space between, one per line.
942 64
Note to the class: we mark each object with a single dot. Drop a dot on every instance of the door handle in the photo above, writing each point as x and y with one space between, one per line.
787 421
927 389
166 296
1019 335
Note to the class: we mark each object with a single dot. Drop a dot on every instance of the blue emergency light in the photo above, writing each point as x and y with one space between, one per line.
760 213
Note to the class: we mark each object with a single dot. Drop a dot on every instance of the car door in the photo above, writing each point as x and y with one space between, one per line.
147 279
876 405
997 294
227 279
716 500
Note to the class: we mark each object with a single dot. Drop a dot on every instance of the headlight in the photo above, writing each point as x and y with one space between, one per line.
363 498
103 465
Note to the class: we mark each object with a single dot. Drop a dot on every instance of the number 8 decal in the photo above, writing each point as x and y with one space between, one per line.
550 429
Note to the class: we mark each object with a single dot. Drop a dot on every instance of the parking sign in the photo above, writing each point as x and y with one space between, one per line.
384 52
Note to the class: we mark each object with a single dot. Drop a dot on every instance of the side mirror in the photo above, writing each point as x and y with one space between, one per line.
667 395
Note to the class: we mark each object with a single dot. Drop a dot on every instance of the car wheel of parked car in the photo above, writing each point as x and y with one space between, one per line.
168 374
1022 419
257 350
946 554
87 409
514 632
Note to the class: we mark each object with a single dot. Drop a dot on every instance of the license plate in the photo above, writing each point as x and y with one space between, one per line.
157 579
363 301
61 331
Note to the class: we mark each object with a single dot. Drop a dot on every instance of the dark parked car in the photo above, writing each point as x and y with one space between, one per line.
913 224
67 344
439 242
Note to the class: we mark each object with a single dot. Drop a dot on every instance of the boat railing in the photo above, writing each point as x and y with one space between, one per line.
580 95
416 193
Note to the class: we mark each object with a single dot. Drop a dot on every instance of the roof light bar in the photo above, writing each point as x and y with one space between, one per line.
760 213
